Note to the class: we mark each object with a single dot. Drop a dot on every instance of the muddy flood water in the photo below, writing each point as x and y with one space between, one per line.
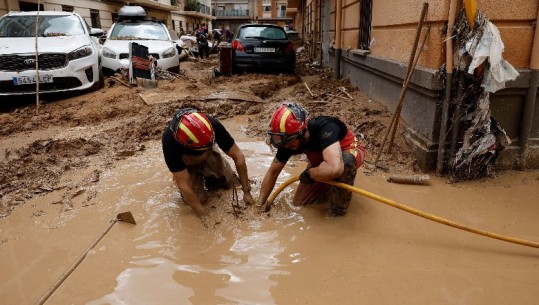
376 254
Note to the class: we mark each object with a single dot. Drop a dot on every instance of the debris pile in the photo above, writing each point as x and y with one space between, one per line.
165 74
478 59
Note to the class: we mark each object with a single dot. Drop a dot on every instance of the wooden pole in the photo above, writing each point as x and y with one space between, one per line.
397 113
410 62
37 58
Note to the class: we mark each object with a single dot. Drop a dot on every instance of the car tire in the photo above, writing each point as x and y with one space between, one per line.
291 69
236 69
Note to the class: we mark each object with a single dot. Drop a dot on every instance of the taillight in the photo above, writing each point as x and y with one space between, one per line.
236 45
290 47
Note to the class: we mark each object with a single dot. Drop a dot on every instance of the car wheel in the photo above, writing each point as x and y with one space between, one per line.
236 69
291 69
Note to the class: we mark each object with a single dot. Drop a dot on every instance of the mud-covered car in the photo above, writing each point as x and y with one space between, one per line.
133 27
68 55
262 46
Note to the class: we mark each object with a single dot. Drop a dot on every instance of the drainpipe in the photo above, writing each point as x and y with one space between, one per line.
338 37
448 83
531 97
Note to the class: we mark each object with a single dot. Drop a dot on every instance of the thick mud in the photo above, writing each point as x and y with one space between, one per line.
68 167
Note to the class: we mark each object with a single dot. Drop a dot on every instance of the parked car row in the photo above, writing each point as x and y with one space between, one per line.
72 57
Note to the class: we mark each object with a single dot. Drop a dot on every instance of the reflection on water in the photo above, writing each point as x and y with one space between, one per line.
178 261
374 255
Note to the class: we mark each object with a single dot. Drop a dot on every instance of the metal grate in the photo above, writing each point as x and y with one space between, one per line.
47 61
365 24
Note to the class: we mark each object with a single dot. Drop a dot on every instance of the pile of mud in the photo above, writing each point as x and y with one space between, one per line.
90 132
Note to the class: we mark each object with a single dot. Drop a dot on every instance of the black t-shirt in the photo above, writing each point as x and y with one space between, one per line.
173 151
202 40
323 131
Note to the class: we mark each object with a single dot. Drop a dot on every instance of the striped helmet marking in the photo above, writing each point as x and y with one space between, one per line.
203 120
283 121
188 133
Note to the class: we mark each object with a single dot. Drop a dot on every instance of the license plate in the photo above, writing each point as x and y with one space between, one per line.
265 50
24 80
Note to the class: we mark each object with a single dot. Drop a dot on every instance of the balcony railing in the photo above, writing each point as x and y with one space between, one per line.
232 13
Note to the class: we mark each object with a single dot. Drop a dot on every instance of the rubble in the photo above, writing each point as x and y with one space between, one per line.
478 54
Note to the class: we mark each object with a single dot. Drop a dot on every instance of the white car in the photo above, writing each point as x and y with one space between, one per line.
132 27
68 55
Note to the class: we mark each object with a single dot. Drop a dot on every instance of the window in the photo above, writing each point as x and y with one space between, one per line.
67 8
365 20
114 17
282 13
28 7
266 7
96 21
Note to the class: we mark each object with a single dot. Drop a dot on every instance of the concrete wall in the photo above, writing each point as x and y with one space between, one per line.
380 73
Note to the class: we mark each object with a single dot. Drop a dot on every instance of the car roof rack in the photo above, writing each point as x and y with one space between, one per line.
133 12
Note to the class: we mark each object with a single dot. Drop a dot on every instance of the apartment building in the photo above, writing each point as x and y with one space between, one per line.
233 13
186 15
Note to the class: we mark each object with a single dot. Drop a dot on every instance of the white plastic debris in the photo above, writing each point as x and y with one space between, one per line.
487 44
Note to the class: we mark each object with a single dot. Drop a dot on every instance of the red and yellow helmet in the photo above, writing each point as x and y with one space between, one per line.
192 129
288 122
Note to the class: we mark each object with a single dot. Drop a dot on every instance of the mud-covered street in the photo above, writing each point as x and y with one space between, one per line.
70 166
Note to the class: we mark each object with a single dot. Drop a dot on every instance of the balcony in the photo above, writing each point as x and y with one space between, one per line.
232 13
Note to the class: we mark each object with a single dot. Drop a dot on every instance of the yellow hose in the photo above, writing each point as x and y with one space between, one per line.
409 210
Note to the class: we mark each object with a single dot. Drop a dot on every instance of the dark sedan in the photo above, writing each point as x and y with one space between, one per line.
262 46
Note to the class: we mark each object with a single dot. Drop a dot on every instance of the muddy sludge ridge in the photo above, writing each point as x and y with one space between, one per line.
114 124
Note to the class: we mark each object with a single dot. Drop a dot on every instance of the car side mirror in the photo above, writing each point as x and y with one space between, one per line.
96 32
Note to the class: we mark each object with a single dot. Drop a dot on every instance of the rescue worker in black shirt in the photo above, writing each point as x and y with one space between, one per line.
334 153
195 164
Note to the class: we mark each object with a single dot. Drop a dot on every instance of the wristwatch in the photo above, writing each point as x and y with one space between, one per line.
246 189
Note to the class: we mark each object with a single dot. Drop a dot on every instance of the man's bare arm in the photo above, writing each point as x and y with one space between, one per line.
332 166
182 181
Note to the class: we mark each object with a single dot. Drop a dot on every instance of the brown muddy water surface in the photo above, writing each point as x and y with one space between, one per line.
374 255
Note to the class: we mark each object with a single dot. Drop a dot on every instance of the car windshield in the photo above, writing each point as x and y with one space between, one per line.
261 32
49 26
139 30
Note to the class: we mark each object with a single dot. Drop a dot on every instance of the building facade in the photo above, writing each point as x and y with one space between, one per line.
186 15
233 13
370 42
